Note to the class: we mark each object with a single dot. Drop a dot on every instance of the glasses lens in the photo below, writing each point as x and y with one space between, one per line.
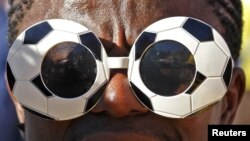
68 70
167 68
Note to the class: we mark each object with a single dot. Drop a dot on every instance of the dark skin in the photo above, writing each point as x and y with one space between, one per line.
119 115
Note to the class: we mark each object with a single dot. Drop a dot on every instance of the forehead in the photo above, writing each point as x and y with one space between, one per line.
131 15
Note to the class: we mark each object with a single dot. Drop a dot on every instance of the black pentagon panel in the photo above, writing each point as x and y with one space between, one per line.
228 73
143 98
199 30
10 77
91 42
37 33
145 39
198 80
37 81
95 98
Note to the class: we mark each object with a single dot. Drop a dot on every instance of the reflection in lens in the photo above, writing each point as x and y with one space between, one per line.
167 68
68 70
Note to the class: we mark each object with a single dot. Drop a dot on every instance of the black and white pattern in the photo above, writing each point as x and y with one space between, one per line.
25 63
212 60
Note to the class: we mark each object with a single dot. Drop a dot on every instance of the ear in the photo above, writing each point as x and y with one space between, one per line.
233 96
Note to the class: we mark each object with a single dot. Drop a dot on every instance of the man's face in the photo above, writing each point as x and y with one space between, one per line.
119 115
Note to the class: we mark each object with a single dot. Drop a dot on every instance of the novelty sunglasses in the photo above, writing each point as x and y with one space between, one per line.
177 66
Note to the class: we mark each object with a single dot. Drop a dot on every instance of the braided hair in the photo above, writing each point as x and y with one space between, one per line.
230 14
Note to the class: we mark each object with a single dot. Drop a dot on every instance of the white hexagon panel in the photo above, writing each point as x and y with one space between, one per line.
30 96
23 63
179 35
177 106
63 109
210 91
210 59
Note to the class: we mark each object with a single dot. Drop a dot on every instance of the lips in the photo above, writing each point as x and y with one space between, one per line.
119 137
148 127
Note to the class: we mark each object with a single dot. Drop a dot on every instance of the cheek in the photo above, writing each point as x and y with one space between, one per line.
40 129
196 127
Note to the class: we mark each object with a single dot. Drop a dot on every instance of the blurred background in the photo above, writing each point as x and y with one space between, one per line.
243 115
8 116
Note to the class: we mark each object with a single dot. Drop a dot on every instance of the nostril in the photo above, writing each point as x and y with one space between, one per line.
135 112
118 99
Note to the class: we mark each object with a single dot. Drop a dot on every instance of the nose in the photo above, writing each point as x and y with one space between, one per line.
118 99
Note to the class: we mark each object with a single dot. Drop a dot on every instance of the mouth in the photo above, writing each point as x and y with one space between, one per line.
107 136
139 128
